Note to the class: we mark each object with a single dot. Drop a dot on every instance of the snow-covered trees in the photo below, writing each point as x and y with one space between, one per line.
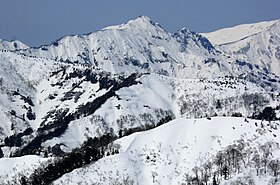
237 158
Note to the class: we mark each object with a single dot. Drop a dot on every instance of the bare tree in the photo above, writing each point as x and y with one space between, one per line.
256 160
274 166
154 175
266 154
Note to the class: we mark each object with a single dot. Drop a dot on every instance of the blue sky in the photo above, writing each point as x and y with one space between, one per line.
37 22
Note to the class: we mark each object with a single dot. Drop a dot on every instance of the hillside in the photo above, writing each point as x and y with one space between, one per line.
175 152
162 155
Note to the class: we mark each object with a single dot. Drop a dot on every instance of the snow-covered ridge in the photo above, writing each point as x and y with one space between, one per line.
236 33
143 46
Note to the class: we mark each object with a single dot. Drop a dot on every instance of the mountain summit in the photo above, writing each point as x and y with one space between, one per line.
12 45
140 22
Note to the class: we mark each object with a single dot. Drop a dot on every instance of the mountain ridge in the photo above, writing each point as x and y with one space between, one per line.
144 46
251 28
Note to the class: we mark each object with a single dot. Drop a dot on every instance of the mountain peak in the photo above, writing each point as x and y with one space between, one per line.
184 30
143 18
12 45
141 21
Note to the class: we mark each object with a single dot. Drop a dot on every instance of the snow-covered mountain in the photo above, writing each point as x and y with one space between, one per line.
143 46
137 46
83 96
256 44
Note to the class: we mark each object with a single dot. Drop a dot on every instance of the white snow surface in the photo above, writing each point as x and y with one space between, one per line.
239 32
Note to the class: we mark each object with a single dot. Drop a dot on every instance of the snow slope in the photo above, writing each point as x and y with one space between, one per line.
166 154
145 103
239 32
262 49
20 74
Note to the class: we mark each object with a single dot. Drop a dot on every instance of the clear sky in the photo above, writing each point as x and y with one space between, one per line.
38 22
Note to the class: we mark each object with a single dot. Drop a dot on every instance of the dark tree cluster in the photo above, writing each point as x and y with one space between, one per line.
1 153
16 140
26 99
267 114
91 150
147 119
30 115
